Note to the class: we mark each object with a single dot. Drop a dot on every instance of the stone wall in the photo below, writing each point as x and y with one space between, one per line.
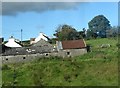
19 58
25 58
71 52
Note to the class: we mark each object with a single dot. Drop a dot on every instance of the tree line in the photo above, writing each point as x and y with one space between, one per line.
99 26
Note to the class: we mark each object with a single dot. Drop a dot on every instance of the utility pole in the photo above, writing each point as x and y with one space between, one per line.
21 35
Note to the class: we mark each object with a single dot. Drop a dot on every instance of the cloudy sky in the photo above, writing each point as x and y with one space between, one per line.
35 17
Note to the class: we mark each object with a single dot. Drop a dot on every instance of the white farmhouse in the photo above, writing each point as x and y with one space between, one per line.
41 36
12 43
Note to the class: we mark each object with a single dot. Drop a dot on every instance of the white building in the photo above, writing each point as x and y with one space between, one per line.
41 36
12 43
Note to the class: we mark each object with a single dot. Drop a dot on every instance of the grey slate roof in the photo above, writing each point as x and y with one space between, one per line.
40 47
42 43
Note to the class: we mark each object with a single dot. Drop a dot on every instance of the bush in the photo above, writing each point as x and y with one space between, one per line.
76 75
5 67
67 77
118 45
37 78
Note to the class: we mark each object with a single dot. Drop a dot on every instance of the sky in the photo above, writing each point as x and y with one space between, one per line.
35 17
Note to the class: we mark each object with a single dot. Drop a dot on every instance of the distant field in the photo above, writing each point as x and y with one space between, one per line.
96 68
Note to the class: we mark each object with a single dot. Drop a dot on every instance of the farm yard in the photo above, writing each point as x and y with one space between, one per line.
59 44
96 68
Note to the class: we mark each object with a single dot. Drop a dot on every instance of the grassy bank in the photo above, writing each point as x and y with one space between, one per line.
96 68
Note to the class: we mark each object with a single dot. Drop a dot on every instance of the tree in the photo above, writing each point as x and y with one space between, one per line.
99 24
113 32
52 40
91 34
66 32
73 36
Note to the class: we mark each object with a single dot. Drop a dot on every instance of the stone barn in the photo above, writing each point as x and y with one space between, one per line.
40 47
71 48
22 54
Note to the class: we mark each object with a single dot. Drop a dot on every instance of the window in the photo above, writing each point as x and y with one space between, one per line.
46 54
23 57
68 53
6 58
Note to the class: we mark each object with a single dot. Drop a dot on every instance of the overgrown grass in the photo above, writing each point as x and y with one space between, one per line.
96 68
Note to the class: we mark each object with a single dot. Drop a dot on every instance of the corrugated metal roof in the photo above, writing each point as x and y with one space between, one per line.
74 44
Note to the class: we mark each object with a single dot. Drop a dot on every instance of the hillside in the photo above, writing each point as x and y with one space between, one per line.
96 68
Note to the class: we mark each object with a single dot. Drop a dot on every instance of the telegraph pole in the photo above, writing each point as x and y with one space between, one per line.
21 35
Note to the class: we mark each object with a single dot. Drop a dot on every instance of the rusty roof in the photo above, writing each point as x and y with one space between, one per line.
74 44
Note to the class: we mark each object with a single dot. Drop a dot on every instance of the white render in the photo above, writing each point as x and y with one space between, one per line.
32 42
11 43
41 36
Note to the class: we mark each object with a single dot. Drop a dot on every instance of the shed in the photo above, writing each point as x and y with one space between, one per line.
71 48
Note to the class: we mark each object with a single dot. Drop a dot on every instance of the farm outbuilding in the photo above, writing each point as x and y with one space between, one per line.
71 48
40 47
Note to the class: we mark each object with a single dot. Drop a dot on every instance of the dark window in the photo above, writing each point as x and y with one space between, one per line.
68 53
46 54
6 58
23 57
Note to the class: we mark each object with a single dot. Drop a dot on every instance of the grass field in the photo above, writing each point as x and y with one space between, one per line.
96 68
